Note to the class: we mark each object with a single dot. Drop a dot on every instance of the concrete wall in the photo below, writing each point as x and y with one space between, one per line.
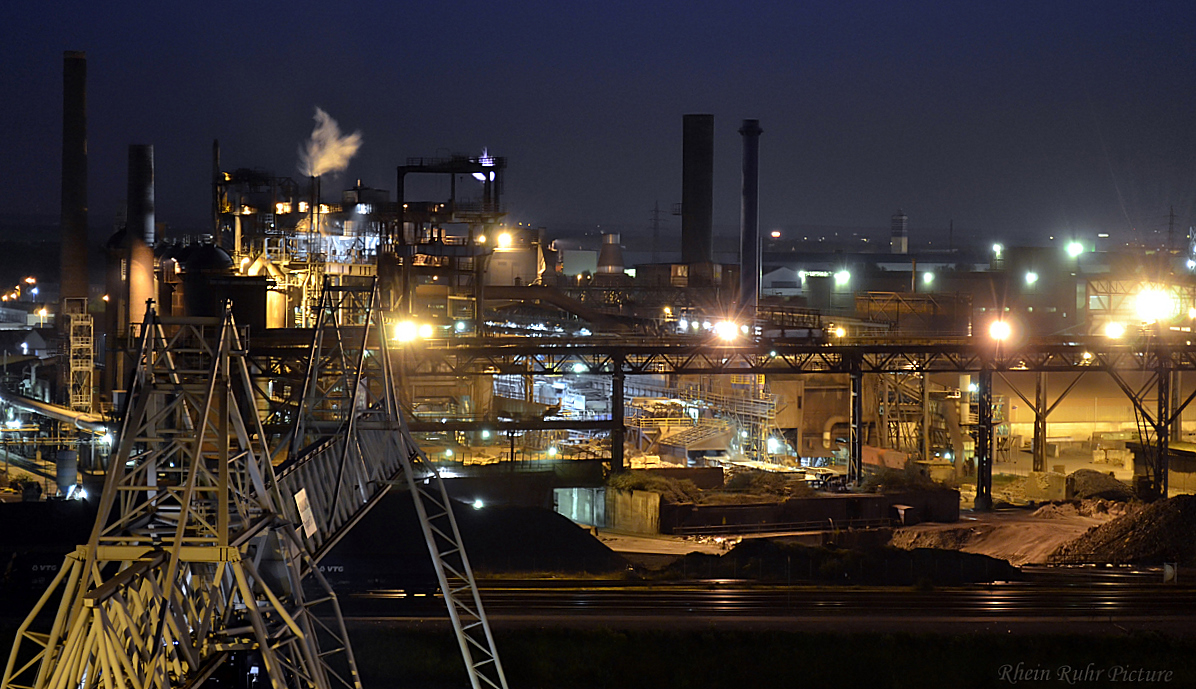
633 511
582 505
823 512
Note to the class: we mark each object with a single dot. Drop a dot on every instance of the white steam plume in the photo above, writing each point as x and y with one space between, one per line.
327 150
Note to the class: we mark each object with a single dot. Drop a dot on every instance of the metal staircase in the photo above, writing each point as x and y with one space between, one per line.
351 443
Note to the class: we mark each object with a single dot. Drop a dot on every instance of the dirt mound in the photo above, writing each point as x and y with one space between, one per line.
1156 533
671 490
1089 484
387 548
1099 508
951 538
778 560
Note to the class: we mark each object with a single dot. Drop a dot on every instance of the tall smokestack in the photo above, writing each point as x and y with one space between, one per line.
139 229
697 189
749 220
610 259
73 283
899 241
140 215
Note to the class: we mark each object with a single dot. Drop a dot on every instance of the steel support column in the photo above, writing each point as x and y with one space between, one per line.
984 440
1040 421
856 448
925 416
1163 427
619 430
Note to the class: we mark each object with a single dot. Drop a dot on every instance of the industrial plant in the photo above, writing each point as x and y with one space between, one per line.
324 341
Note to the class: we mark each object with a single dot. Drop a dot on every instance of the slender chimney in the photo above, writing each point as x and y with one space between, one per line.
217 182
749 220
73 282
697 189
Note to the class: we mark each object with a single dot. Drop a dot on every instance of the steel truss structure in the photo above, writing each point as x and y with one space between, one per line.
1163 354
189 563
203 558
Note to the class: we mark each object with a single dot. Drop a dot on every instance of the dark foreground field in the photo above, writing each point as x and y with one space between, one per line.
710 659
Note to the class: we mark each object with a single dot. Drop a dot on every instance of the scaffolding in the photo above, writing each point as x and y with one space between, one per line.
80 348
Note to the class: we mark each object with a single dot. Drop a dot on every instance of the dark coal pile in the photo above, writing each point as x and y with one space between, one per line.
1163 531
777 561
387 548
1089 484
34 539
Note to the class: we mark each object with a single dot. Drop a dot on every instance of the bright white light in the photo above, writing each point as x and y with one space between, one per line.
13 423
406 331
743 434
972 387
1191 265
772 444
1156 304
480 176
695 325
997 249
448 452
107 439
726 330
478 504
552 450
485 435
580 368
1031 277
927 278
744 329
504 239
459 326
425 331
683 324
1074 249
840 331
1114 329
842 277
1000 331
775 234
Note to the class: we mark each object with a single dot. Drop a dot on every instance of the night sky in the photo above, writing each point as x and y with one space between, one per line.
1016 120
